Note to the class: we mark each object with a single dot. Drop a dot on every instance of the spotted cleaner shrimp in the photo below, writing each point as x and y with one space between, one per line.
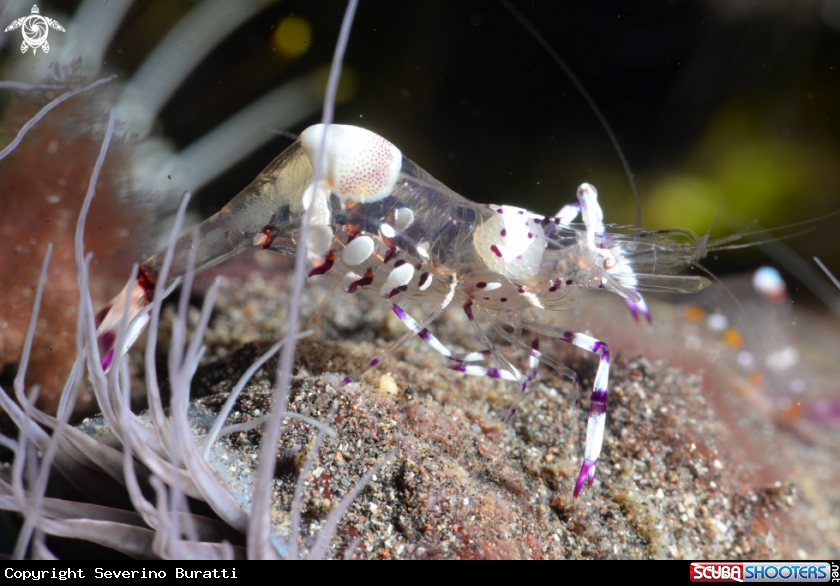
384 227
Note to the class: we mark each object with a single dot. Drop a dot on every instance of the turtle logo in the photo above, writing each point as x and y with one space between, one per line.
35 30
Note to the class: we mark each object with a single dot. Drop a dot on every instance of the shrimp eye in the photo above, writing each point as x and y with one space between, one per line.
610 263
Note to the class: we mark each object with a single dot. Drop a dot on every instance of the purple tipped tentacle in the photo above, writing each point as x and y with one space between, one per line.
646 313
633 309
637 307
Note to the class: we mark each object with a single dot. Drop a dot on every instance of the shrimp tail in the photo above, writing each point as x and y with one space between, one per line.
264 214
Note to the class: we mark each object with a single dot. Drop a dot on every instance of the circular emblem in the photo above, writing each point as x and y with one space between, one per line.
35 30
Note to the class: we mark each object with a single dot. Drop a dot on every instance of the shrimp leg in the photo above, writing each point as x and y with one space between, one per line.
432 341
509 373
597 405
534 353
414 326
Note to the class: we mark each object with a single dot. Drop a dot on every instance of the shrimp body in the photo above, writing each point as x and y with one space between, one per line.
384 227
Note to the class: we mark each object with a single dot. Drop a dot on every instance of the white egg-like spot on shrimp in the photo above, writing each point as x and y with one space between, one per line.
321 212
492 286
358 251
425 281
356 163
387 230
509 244
319 240
403 218
401 275
423 250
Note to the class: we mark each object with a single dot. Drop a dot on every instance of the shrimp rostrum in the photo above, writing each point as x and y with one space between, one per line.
382 226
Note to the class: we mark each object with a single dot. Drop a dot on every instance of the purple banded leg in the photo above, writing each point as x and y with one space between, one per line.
427 337
597 406
416 329
534 353
509 372
476 370
534 356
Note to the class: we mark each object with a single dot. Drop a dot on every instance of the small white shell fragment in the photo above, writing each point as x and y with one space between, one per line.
387 230
358 251
403 218
387 384
357 164
349 278
319 240
401 275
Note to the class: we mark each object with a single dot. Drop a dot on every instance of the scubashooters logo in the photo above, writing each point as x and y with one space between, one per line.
762 572
35 29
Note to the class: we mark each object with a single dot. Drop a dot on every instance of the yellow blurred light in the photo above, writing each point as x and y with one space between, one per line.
348 83
695 314
684 201
292 37
733 338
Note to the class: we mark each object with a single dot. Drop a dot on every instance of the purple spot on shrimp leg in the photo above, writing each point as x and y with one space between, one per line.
398 310
587 473
346 381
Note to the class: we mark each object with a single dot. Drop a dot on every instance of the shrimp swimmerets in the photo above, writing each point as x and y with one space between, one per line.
383 226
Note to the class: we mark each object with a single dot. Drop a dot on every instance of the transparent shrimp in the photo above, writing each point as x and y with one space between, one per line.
382 226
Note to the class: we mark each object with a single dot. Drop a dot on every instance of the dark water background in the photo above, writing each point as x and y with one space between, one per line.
702 95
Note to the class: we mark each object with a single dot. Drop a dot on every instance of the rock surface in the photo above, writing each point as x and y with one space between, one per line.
676 479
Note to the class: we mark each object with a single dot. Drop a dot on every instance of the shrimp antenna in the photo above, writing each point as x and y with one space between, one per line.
757 243
579 86
282 132
828 273
701 244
